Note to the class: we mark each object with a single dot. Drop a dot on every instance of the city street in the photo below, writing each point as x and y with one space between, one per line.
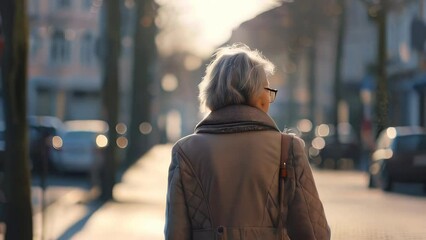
353 210
87 87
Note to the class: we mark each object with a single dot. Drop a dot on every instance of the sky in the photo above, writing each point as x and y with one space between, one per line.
200 26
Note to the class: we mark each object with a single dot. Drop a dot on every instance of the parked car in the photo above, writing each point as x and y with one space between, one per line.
325 145
399 156
2 145
80 147
41 131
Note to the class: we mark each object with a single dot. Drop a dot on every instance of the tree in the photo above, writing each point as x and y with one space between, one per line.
110 92
378 11
308 19
14 81
291 33
143 73
338 67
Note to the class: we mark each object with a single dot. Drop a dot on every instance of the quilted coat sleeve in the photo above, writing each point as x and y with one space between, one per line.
306 217
177 225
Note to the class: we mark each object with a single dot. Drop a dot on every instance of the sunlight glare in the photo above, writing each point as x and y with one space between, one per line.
101 141
200 26
169 83
391 132
304 125
57 142
220 17
323 130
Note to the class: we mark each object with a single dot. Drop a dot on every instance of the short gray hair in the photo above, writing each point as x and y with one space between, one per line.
235 75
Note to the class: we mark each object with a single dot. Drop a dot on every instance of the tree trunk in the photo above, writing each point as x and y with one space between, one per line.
338 67
312 83
143 74
382 88
110 92
380 10
14 81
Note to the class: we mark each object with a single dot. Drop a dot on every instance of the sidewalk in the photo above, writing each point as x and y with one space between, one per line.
138 209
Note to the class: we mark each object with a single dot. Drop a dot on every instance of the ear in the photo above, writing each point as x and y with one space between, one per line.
255 102
260 103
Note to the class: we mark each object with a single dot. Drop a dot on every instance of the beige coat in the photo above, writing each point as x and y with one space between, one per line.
223 182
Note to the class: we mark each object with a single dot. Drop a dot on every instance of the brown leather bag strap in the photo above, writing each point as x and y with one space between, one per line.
285 145
286 142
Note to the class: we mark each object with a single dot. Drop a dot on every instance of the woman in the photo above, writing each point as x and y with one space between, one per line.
224 179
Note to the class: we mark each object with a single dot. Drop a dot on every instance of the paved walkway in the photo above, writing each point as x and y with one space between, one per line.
139 206
353 210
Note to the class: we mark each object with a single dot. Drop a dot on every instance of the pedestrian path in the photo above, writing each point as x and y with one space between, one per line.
138 208
355 212
60 212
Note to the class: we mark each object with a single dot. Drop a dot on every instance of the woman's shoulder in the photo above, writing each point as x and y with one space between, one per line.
189 142
188 138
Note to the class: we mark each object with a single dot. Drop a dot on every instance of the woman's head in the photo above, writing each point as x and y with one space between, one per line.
236 75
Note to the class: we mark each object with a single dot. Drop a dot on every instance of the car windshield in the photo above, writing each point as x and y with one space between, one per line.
410 143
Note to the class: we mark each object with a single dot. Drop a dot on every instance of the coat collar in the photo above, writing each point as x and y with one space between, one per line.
236 118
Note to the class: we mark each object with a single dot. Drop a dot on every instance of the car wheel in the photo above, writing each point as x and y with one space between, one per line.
385 179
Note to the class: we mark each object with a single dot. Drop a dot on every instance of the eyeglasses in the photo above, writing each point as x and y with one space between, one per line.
272 94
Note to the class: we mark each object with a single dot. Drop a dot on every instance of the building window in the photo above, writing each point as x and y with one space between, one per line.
63 4
44 103
35 44
60 48
87 50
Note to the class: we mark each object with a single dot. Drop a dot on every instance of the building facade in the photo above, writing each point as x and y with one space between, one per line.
64 73
307 81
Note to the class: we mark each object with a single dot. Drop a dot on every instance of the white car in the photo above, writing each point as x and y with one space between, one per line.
80 147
